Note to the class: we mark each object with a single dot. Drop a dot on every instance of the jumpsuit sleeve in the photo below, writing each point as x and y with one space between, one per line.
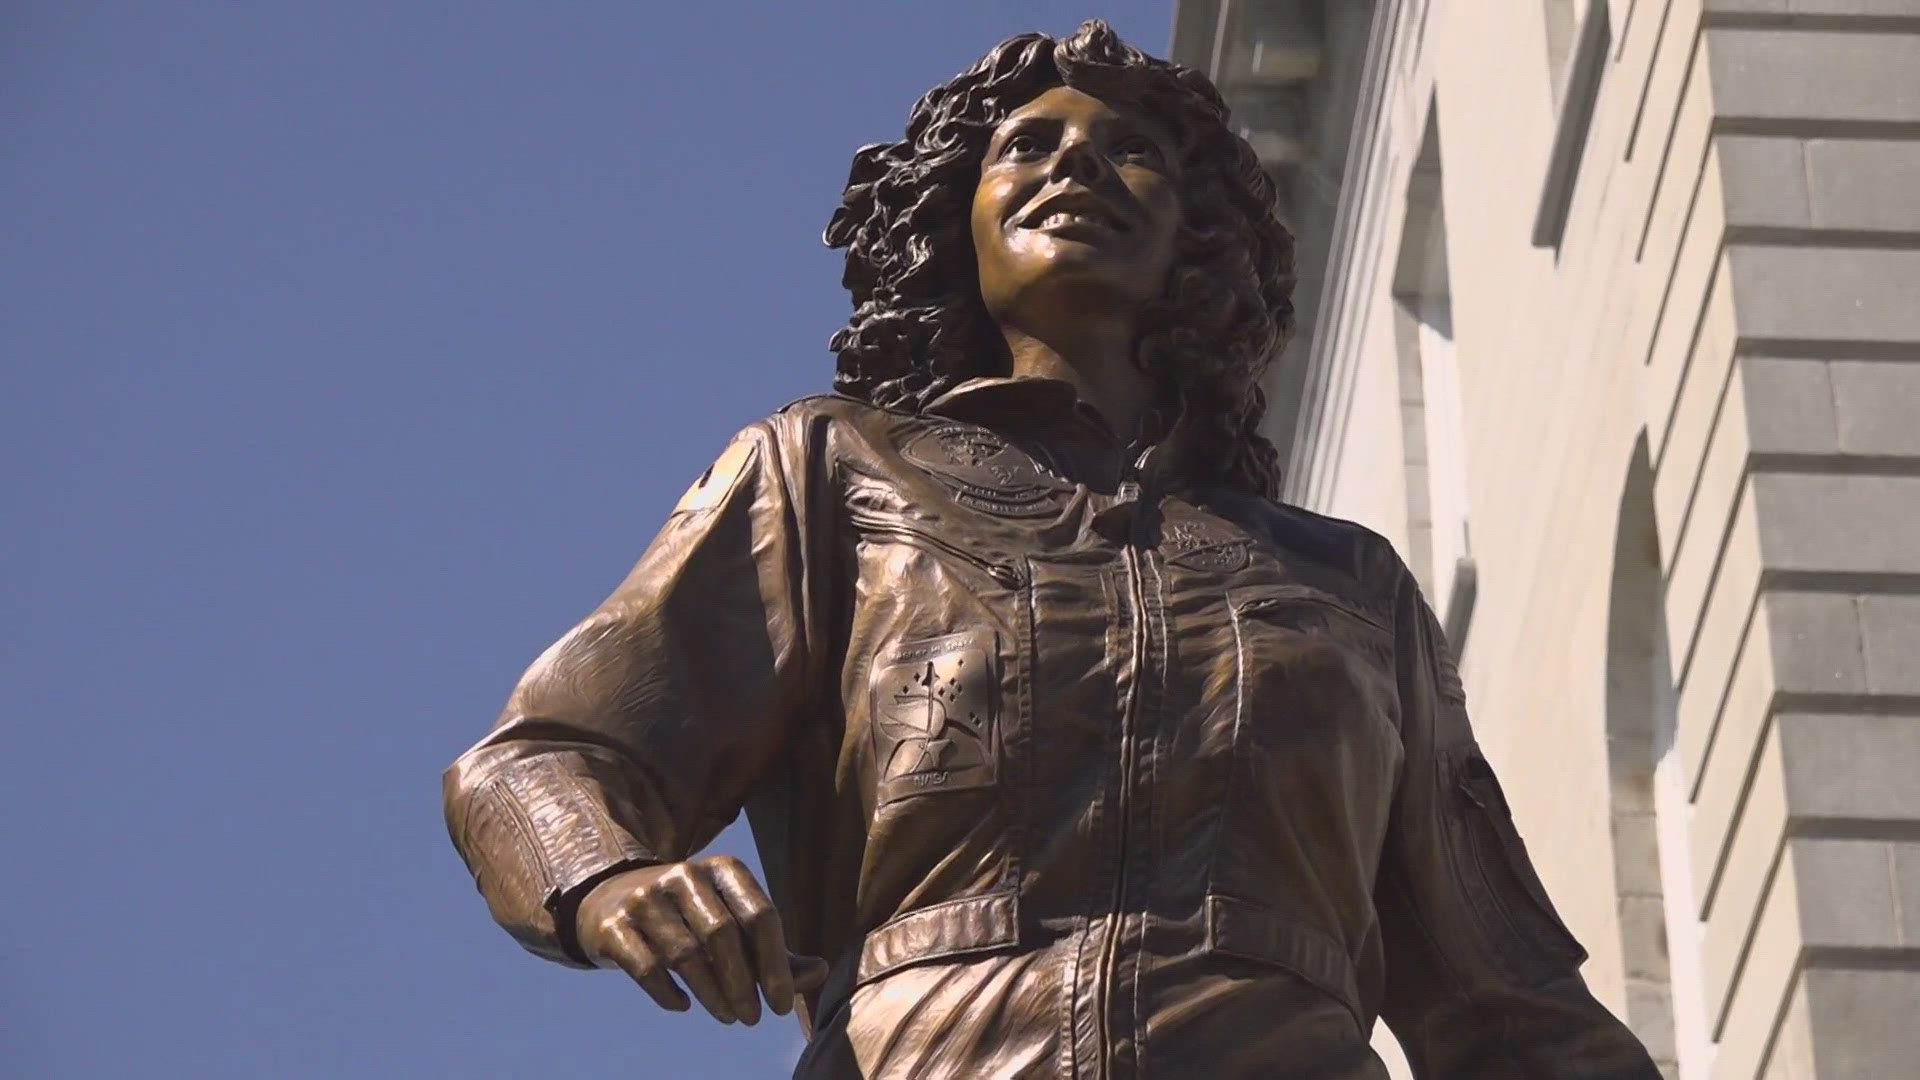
1483 979
636 737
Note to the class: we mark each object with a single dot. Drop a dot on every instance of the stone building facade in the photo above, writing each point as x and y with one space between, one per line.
1612 323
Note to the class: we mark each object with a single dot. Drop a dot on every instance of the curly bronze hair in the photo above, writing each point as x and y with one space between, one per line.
918 325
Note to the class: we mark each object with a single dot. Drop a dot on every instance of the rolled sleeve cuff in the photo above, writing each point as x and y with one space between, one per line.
537 842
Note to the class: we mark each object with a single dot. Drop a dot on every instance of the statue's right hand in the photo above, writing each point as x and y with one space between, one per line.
706 920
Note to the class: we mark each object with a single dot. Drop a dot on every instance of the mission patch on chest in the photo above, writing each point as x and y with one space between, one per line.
983 470
934 713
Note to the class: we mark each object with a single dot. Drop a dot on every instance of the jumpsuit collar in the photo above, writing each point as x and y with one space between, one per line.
988 398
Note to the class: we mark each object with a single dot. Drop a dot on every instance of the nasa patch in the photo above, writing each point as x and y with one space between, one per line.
933 715
714 485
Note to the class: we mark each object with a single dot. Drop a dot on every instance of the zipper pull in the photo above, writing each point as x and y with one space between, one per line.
1131 473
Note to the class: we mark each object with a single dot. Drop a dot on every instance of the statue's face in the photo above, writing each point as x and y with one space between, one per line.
1078 204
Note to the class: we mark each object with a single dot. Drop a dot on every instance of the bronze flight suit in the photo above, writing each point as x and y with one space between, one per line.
1072 767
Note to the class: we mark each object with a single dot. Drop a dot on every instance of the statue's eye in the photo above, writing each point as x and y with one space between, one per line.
1136 148
1023 144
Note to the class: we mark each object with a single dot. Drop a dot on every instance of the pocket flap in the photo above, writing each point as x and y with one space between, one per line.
1249 931
970 924
1248 599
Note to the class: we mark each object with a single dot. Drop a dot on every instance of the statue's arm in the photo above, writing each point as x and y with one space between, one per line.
636 737
1482 977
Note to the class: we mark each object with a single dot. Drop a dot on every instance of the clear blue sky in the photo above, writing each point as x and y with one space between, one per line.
353 350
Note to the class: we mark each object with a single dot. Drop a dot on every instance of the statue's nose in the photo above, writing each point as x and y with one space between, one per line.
1077 160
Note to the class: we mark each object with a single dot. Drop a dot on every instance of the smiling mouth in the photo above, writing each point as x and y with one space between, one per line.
1074 214
1061 219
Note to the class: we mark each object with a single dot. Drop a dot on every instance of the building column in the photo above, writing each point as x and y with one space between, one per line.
1784 423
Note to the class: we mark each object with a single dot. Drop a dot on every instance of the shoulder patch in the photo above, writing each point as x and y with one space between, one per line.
714 485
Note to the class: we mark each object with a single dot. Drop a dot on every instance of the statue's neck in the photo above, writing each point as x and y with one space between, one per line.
1100 368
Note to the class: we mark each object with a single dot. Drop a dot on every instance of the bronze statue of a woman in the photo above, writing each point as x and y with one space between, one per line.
1068 749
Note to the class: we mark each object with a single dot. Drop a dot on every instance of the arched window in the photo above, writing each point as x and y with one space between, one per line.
1659 930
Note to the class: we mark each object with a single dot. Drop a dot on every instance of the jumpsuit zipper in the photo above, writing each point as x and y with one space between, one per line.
1130 490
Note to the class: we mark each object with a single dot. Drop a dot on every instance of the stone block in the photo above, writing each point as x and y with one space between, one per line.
1870 8
1722 661
1732 790
1782 73
1876 405
1831 894
1721 529
1708 430
1890 631
1827 294
1863 184
1733 898
1863 1023
1765 181
1851 767
1792 1055
1866 524
1674 116
1816 641
1799 642
1745 7
1650 1014
1687 331
1789 406
1643 936
1630 767
1745 1021
1732 605
1831 8
1906 887
1845 891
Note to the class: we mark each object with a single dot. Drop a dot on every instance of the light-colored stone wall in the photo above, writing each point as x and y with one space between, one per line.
1720 771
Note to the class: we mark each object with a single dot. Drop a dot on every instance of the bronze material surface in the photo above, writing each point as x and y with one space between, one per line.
1069 749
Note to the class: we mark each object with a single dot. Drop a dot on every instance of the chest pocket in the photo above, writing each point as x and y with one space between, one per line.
879 513
1315 675
1316 754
